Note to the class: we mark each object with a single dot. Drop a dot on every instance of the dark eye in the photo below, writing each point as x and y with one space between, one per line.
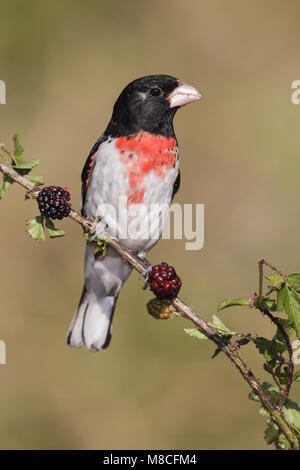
155 92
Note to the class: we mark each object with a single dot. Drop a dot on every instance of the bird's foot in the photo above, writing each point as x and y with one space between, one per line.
142 257
100 231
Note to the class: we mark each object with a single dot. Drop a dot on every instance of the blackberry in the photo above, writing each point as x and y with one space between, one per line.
53 202
160 309
164 281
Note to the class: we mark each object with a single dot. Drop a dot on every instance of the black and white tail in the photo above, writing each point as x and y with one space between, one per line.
91 325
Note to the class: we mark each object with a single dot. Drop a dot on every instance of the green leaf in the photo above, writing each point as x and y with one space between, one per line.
291 304
195 333
18 150
7 181
268 368
279 340
272 390
266 348
219 325
271 432
280 299
275 279
279 344
26 165
297 376
221 329
52 230
294 280
252 395
35 179
101 248
291 412
287 326
264 303
282 375
230 303
21 167
283 443
273 435
263 411
269 303
35 228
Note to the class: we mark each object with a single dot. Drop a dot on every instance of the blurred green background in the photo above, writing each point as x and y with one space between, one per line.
64 63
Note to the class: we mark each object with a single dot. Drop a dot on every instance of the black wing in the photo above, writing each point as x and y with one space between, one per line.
176 185
87 170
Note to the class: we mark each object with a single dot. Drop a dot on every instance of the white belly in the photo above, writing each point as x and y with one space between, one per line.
138 225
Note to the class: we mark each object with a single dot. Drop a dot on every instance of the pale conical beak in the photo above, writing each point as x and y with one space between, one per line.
183 94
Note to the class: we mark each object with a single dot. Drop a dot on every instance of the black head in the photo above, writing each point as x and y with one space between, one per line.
149 104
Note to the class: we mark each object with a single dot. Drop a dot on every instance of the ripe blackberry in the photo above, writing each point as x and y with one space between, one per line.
164 281
160 309
53 202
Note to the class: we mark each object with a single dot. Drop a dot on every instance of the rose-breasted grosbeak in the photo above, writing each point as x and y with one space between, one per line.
136 160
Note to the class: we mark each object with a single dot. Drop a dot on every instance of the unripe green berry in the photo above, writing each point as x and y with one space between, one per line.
160 309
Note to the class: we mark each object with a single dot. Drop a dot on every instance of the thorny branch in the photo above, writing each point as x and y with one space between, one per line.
185 310
284 392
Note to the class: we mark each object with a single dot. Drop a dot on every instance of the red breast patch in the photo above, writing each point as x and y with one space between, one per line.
141 154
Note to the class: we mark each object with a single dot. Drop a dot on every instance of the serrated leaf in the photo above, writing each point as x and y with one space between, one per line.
268 368
26 165
280 299
282 375
264 303
275 279
221 329
287 326
52 230
265 347
271 432
18 150
269 303
230 303
7 181
291 412
290 301
101 248
35 179
195 333
283 443
272 390
35 228
297 376
263 411
252 396
279 344
294 280
218 324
